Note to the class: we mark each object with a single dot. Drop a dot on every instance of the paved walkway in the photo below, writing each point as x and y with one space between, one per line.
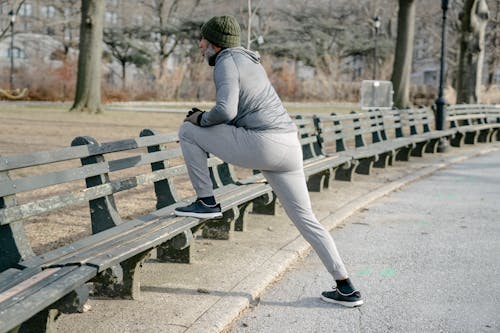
426 258
229 276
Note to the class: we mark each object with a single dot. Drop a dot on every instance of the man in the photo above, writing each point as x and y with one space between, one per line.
249 127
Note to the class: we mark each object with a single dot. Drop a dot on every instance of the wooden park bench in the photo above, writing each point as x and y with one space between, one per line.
492 117
473 123
33 288
415 126
361 137
318 166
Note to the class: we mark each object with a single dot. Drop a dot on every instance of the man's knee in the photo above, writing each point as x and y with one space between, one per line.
186 130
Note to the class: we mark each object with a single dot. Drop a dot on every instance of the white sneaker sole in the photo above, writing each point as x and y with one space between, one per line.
344 303
198 215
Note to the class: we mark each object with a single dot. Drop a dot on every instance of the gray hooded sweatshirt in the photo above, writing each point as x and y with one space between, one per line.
245 97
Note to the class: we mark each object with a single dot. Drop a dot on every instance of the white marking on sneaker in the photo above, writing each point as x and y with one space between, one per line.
206 205
344 303
341 293
199 215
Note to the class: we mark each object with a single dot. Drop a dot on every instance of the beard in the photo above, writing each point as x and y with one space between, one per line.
209 55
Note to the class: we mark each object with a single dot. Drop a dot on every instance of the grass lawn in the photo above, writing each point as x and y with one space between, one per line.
34 127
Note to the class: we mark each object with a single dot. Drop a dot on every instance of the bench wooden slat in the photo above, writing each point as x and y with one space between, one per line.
467 116
87 255
15 213
139 242
330 161
302 121
13 186
66 254
12 162
95 250
310 139
12 277
38 299
10 186
18 289
306 131
146 158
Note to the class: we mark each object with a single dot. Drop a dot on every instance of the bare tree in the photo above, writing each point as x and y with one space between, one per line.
15 8
68 11
163 29
404 53
472 43
126 49
88 84
494 45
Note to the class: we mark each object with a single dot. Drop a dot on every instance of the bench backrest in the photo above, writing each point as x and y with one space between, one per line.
464 115
308 137
349 131
55 179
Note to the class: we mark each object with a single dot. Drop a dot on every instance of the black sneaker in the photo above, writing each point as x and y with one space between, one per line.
335 296
200 210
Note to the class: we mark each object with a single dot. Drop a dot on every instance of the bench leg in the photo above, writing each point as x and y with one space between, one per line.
457 140
383 160
221 228
403 154
346 171
44 321
391 160
319 181
265 205
239 224
419 149
431 146
492 135
131 287
471 138
122 281
178 249
365 165
109 282
483 136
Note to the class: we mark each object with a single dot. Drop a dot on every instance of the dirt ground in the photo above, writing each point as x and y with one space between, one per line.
27 129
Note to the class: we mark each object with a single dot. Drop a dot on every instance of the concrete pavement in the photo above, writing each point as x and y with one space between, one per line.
230 276
426 258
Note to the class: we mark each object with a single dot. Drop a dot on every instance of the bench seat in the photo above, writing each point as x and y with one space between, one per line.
31 291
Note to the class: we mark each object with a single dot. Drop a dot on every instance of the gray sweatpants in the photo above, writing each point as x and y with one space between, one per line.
279 157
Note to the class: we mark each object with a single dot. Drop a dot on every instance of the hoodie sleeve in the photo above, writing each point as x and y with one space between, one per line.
227 86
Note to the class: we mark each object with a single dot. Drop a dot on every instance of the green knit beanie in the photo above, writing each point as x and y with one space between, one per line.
223 31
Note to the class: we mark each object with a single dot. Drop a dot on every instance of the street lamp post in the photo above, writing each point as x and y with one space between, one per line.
440 101
376 24
12 16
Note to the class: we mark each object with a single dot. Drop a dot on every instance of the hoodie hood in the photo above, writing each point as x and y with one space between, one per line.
253 56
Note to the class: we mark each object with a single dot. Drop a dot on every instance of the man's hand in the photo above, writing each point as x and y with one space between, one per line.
194 116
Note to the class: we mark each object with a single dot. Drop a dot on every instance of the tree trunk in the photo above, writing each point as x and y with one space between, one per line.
494 45
88 84
404 53
249 27
124 74
470 64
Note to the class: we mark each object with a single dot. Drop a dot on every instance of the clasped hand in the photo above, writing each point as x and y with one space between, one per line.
194 116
